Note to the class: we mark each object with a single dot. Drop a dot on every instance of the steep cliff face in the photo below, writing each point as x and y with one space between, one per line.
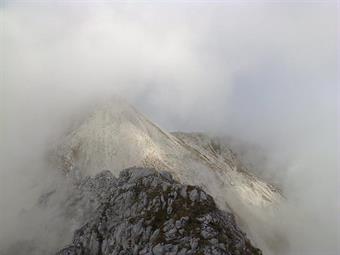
148 212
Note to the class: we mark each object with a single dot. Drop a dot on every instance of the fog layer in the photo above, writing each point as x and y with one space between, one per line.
263 73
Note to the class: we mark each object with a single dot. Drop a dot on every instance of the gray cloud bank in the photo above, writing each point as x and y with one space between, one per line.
265 73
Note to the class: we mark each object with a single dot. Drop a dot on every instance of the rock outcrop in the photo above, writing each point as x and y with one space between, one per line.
144 211
117 136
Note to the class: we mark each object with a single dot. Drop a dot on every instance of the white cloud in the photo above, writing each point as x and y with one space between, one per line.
262 71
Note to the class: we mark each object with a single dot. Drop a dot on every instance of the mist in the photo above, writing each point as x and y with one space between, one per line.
263 73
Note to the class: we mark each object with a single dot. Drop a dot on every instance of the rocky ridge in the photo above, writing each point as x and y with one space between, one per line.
144 211
117 136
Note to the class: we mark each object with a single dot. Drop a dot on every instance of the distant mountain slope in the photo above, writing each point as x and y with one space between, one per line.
116 136
219 156
146 212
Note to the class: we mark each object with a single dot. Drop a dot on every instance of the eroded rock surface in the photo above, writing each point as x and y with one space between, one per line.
148 212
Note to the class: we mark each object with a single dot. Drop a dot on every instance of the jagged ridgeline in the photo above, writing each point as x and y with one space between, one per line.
148 212
117 136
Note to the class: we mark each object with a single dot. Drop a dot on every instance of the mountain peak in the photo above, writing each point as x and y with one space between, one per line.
116 136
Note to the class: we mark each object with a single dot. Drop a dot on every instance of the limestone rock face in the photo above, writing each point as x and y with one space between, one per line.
144 211
117 136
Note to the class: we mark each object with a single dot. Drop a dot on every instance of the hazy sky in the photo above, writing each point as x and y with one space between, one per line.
264 71
237 65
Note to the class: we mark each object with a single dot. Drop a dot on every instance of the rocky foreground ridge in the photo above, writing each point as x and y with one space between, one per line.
144 211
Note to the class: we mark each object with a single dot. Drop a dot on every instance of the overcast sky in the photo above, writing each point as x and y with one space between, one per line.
189 66
263 71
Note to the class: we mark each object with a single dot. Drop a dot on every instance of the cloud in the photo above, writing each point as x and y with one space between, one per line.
264 72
